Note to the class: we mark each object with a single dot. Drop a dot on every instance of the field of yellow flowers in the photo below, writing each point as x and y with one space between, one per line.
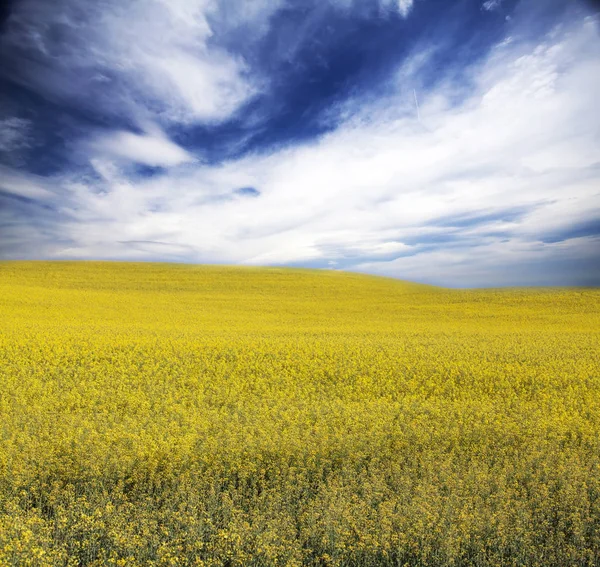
171 415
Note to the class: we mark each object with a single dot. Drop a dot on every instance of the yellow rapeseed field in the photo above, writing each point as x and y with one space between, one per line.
171 415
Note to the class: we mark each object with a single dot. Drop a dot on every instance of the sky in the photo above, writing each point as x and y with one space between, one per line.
455 143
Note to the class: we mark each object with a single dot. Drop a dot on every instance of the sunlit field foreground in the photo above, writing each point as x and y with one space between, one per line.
183 415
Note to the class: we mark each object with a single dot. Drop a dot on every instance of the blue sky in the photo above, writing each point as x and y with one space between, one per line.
448 142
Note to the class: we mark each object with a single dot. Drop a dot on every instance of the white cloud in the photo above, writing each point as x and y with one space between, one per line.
150 149
491 5
206 89
405 6
24 185
402 6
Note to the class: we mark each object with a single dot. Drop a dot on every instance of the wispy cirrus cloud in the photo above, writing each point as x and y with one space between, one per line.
14 134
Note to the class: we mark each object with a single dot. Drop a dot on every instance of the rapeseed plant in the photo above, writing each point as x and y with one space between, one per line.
181 415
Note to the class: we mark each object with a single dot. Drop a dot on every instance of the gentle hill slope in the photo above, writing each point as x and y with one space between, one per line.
246 298
155 414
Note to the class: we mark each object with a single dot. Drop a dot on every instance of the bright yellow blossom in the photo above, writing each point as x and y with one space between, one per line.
162 415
